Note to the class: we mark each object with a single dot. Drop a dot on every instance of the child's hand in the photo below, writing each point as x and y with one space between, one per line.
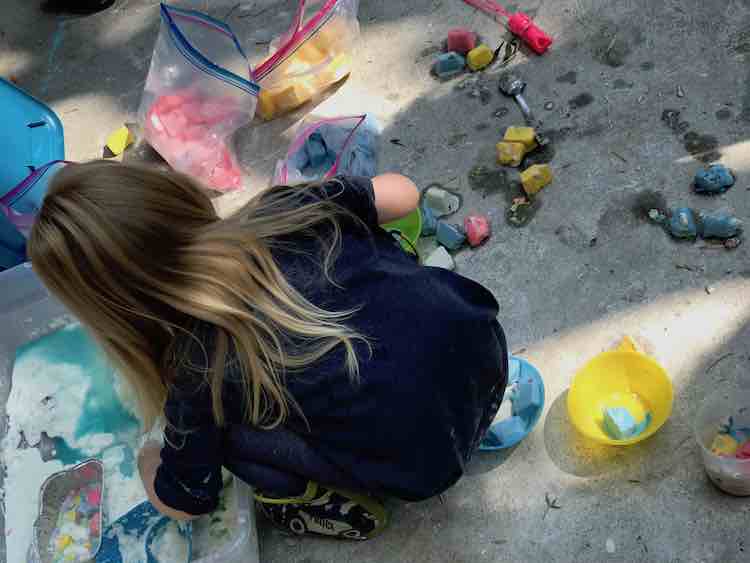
395 196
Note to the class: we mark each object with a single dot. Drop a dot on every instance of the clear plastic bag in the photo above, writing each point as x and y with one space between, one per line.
315 53
324 147
21 203
197 94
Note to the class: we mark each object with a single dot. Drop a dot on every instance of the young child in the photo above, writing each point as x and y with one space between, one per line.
293 343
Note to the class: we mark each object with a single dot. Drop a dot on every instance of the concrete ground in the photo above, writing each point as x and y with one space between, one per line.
585 271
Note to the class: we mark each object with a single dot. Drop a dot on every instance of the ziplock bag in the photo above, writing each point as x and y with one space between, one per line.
313 54
325 147
197 94
20 205
27 196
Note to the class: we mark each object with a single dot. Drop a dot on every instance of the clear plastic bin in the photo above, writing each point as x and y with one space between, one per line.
28 312
729 474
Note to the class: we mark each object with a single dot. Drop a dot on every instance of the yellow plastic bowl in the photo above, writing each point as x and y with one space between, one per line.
609 380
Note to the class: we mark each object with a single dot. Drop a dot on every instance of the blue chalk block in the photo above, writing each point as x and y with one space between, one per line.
448 65
715 179
506 432
619 424
528 397
682 223
720 225
429 221
450 236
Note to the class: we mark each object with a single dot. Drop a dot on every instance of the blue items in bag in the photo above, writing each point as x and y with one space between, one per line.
327 147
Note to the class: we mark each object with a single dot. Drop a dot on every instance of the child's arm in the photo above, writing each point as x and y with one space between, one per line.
395 196
149 460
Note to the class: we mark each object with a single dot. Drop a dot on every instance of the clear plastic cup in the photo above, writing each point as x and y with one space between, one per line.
729 474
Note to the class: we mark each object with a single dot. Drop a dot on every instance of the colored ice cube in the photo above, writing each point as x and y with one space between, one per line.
619 424
528 397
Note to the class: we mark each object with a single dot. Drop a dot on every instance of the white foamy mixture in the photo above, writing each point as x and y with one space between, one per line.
49 396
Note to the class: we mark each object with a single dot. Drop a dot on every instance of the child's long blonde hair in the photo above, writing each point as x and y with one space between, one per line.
138 254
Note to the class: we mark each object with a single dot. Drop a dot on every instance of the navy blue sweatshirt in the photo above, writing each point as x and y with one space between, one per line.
429 387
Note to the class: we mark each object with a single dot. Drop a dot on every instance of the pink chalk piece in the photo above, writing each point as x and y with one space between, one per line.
743 452
167 103
193 111
195 132
522 25
174 123
95 524
477 229
185 130
94 496
461 40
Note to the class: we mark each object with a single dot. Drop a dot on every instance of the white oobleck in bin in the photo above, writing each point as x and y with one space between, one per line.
62 388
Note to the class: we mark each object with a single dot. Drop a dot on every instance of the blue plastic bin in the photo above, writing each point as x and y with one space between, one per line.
31 136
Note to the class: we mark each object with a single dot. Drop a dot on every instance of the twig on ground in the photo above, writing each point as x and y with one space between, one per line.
718 360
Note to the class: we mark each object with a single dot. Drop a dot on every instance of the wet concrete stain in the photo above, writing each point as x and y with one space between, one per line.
570 77
647 65
495 180
702 147
581 100
542 155
612 44
723 114
481 126
644 201
591 129
573 237
621 84
489 180
457 139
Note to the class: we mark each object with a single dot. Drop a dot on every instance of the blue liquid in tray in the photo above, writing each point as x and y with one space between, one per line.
102 411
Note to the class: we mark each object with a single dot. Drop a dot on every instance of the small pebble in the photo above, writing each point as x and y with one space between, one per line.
732 243
610 545
709 289
641 99
680 92
501 112
549 106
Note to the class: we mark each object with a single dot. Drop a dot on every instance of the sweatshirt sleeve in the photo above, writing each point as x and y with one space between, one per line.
189 477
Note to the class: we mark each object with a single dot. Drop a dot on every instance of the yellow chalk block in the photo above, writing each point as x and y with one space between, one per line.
524 135
479 57
339 67
535 177
724 445
331 35
310 53
510 154
118 141
64 541
273 102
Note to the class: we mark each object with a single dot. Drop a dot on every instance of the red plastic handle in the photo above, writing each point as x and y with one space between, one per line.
521 25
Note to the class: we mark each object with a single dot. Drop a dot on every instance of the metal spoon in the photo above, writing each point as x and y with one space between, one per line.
512 85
